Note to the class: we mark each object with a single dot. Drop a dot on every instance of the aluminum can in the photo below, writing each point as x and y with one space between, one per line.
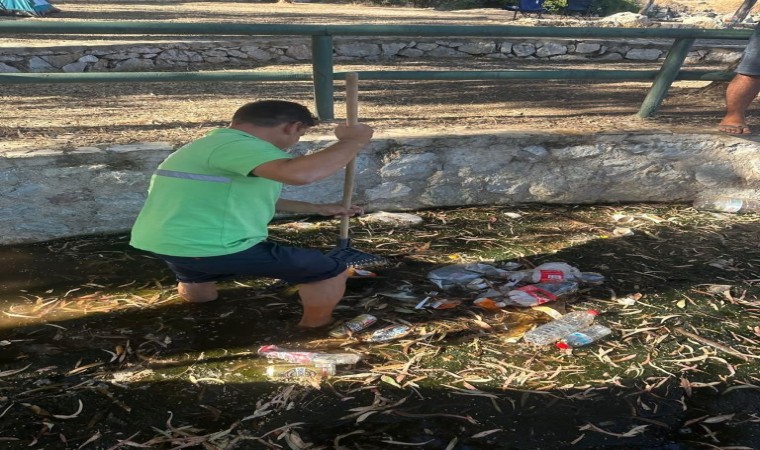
354 325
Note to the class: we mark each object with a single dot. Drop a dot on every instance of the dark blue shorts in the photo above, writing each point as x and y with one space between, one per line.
750 64
266 259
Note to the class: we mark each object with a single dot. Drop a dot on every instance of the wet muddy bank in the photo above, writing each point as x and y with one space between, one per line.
97 351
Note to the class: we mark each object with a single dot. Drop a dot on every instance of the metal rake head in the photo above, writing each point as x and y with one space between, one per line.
357 258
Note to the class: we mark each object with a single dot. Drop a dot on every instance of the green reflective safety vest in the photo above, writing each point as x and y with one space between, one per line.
203 200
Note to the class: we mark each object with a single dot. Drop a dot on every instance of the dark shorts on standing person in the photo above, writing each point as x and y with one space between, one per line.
266 259
750 63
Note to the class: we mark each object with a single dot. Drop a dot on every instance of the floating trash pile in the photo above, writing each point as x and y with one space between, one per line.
492 287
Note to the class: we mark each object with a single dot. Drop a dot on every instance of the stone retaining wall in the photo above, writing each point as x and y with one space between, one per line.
100 190
249 53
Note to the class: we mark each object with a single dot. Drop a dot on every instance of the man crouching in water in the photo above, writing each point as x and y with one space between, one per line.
210 203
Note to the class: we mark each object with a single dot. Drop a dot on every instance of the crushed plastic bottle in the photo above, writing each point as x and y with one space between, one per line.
299 371
554 272
354 325
555 330
389 333
537 294
727 204
304 357
460 275
584 336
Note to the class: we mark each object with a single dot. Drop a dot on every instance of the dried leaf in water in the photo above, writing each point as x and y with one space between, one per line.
485 433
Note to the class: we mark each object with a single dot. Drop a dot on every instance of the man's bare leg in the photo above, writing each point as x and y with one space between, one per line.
319 300
198 292
740 93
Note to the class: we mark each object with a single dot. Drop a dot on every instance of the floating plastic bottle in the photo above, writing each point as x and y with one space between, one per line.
389 333
302 357
299 371
555 330
727 204
358 323
537 294
554 272
584 336
460 275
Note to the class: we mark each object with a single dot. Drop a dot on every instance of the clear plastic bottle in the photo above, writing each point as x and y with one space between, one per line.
584 336
555 330
389 333
304 357
299 371
727 204
539 293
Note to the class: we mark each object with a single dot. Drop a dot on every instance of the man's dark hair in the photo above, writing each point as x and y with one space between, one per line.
270 113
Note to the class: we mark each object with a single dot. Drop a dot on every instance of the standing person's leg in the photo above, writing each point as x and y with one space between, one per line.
743 89
739 95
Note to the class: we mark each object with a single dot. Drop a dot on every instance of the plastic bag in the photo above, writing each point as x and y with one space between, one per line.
461 275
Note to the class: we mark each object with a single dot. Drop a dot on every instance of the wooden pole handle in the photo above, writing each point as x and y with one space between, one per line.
352 118
352 98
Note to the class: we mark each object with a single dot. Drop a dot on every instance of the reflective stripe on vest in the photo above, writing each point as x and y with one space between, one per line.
192 176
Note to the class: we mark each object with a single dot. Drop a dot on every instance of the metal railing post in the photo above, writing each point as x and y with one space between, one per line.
668 73
322 66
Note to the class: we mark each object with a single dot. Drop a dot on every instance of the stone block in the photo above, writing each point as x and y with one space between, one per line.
523 49
5 68
587 47
37 64
478 48
299 52
134 65
61 60
358 49
551 49
75 67
644 54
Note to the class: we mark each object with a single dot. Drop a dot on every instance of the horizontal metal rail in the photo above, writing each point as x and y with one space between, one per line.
417 75
323 74
232 29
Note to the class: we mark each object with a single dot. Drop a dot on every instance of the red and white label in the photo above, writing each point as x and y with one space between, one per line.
541 295
551 276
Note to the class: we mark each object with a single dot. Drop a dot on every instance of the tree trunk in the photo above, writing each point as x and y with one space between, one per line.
647 7
743 11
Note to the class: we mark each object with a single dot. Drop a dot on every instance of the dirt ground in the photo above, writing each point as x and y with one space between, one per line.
71 115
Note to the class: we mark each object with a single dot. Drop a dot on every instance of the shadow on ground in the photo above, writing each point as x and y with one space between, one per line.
97 350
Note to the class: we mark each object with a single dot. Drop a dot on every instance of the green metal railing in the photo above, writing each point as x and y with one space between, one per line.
323 74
